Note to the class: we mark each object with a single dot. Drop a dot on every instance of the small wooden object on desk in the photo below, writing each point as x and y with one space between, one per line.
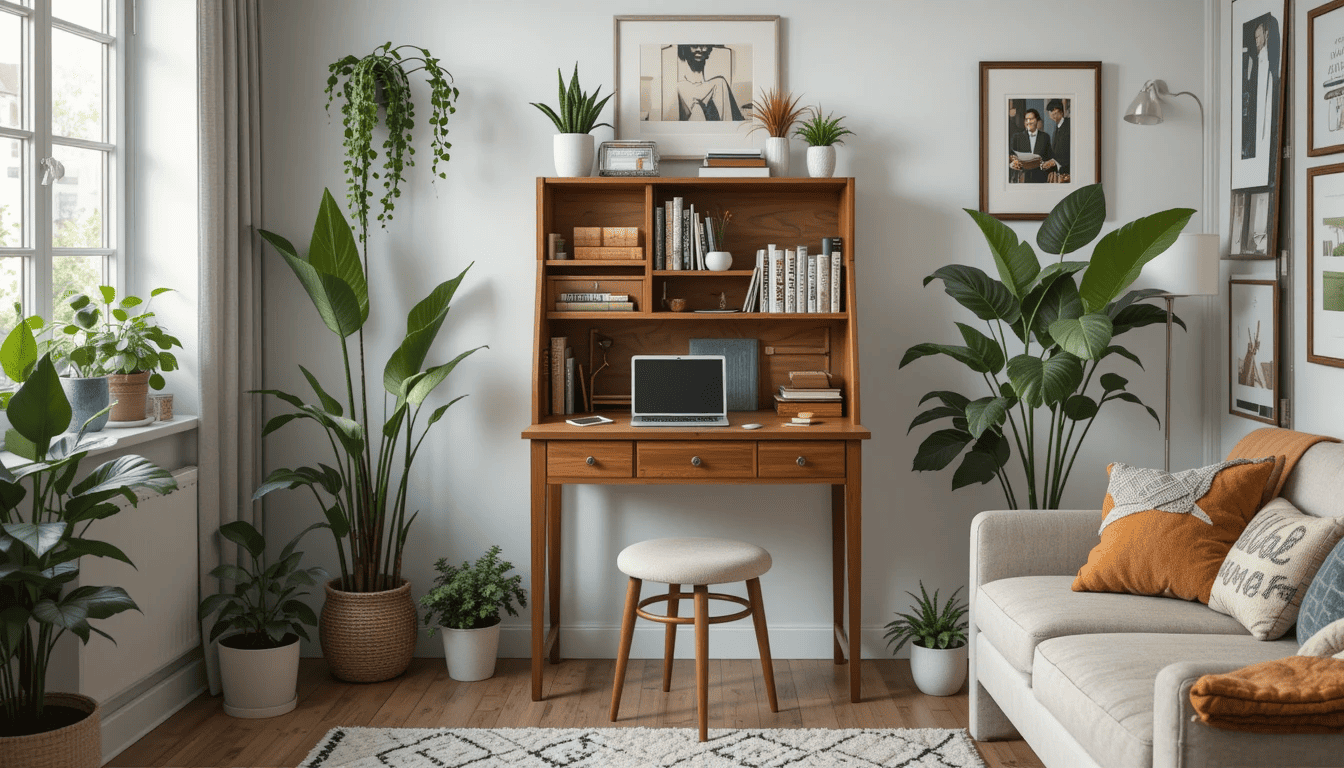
817 408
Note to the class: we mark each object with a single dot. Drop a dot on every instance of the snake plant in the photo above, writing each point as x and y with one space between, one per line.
578 110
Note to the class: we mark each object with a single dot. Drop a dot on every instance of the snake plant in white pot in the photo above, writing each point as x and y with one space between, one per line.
575 117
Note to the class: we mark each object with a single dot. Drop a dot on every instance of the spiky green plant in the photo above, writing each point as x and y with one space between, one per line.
578 111
821 129
928 626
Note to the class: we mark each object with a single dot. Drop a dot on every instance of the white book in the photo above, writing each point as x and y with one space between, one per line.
699 242
763 264
790 281
836 306
752 290
800 287
691 241
776 279
667 235
674 253
824 282
734 173
812 284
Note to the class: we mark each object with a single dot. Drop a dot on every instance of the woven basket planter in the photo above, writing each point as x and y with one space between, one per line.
131 393
75 746
368 637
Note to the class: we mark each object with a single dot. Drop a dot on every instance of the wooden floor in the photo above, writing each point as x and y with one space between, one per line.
812 694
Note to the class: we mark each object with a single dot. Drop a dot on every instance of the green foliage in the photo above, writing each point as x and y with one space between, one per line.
264 603
471 596
1050 328
577 111
107 336
362 496
382 79
927 625
45 517
821 129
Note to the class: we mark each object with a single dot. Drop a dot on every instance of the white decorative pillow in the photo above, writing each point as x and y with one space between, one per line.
1329 641
1266 574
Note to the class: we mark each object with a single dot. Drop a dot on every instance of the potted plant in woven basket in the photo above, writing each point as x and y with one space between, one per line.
465 603
575 116
46 518
938 650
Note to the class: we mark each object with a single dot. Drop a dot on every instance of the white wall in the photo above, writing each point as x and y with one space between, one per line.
906 75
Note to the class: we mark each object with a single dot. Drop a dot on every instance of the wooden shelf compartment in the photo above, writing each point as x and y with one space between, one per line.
639 263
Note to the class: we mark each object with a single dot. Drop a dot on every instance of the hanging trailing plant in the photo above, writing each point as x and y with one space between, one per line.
382 79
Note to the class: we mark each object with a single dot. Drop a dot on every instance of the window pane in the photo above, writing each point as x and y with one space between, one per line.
11 71
85 13
71 275
76 86
12 153
77 199
11 291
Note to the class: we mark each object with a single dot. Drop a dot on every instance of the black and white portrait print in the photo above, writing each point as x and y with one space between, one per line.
1260 90
695 82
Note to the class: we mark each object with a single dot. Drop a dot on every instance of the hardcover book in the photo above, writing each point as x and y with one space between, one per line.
800 287
660 239
812 284
776 279
674 253
741 366
790 281
824 282
559 350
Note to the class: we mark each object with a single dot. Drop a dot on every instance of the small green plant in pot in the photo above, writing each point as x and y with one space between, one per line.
465 603
822 132
575 117
937 637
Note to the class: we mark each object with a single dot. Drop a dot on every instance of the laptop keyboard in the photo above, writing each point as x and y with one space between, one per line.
680 419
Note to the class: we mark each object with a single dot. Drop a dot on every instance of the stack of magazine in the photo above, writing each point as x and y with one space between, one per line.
740 163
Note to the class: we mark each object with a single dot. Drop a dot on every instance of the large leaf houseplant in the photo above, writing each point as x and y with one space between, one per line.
1050 329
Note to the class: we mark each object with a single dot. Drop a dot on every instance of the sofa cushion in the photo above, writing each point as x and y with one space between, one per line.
1100 687
1324 602
1316 484
1019 613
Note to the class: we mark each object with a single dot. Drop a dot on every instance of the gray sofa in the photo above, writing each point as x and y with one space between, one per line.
1096 680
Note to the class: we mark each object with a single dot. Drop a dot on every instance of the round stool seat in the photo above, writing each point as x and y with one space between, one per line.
693 561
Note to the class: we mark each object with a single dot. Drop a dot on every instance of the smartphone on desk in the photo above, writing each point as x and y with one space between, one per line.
588 421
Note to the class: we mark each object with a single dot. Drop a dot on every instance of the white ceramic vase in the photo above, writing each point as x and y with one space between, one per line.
471 653
777 155
718 261
938 672
261 683
821 162
573 154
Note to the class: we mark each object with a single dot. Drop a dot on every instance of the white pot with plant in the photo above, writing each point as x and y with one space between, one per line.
720 259
575 119
822 133
465 603
264 619
775 113
937 642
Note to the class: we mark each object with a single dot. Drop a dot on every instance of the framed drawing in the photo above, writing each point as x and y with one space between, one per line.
1257 108
1040 134
1325 79
1325 265
1253 349
687 82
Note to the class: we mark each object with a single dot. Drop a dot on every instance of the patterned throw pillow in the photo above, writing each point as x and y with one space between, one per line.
1329 641
1324 602
1265 575
1167 534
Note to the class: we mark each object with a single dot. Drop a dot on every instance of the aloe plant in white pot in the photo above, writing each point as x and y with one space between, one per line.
575 117
465 603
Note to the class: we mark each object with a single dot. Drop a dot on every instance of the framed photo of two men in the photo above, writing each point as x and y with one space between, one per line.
1257 109
1040 134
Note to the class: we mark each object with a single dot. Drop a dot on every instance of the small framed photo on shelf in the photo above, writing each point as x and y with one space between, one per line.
1253 349
1325 265
1325 79
627 158
1040 134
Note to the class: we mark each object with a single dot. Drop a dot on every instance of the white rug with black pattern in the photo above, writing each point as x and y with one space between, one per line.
642 747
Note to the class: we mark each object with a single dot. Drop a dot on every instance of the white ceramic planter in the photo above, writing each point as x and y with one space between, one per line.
938 672
573 154
259 683
821 162
777 155
718 261
471 653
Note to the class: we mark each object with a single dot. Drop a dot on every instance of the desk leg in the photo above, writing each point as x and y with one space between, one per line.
854 547
553 566
538 562
838 566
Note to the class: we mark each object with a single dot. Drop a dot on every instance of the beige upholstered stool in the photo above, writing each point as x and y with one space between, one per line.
699 563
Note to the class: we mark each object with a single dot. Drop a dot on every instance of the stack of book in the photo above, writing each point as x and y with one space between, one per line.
794 280
563 377
735 163
594 302
809 391
687 235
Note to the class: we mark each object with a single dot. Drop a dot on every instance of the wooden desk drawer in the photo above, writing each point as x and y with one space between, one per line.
690 460
589 458
820 458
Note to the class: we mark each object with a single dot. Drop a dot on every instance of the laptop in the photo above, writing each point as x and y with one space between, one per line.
678 391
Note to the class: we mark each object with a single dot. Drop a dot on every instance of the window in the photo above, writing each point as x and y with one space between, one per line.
61 97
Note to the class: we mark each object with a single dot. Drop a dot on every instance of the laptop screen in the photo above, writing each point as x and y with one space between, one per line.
678 385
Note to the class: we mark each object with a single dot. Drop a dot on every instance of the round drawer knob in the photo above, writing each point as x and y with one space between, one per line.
695 461
590 461
802 461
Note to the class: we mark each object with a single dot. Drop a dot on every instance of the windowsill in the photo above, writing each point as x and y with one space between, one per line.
127 437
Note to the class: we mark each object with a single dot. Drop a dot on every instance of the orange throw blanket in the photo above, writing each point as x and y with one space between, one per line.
1274 441
1297 694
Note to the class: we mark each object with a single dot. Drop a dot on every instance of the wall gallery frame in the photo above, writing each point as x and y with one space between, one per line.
687 82
1325 265
1257 109
1325 79
1253 349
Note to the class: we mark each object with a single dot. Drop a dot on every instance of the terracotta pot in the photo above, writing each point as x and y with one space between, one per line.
130 391
79 745
368 637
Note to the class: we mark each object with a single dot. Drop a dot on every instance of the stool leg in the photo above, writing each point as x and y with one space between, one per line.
762 639
702 658
670 643
627 635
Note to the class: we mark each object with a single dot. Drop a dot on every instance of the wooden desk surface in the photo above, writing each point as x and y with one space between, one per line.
831 428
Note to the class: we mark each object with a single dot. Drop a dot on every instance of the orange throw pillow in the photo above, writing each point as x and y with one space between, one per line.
1167 534
1297 694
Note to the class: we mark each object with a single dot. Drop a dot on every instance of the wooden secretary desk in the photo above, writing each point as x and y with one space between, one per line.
787 212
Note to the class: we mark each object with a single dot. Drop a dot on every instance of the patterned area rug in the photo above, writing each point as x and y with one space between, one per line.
641 747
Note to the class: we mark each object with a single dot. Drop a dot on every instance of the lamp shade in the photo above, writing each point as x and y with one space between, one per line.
1188 268
1146 108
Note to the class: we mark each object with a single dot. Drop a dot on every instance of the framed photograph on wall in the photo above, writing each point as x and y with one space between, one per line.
1325 79
687 82
1040 134
1325 265
1256 118
1253 349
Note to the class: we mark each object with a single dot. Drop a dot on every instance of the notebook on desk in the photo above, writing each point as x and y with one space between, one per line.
678 391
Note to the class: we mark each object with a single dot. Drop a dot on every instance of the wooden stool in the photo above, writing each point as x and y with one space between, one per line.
698 562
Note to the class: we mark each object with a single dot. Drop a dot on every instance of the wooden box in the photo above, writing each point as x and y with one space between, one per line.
590 253
819 408
587 236
620 236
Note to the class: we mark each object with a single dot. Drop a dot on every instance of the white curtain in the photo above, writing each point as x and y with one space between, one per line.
229 51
